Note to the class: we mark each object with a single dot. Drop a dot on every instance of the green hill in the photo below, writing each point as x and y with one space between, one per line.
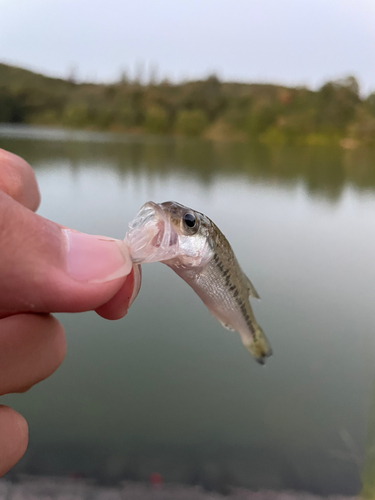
208 108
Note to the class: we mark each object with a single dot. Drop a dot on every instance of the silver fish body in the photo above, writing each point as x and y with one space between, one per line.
195 248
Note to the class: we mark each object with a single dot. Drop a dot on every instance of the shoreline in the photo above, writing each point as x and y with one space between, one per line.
61 488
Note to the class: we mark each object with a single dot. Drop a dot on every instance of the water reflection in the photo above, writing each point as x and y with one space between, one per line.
322 171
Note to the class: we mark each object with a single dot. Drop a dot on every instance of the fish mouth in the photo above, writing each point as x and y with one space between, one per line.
151 236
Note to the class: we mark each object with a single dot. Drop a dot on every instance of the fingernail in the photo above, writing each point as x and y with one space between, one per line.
137 272
96 259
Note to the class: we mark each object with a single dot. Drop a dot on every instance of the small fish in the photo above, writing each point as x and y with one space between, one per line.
195 248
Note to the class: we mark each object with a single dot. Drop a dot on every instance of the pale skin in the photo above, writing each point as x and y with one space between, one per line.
45 268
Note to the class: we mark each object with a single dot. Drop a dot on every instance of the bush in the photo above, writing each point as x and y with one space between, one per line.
370 101
191 123
76 115
127 115
336 105
11 108
363 128
156 121
103 118
259 120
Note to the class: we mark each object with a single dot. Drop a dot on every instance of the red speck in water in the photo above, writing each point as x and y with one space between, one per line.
156 479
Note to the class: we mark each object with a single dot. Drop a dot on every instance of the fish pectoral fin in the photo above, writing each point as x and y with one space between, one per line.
225 325
251 288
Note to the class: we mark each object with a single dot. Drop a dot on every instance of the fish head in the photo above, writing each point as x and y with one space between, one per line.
172 233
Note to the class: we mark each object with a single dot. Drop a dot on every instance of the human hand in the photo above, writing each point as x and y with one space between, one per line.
46 268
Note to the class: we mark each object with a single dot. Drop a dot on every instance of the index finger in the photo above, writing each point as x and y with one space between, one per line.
17 179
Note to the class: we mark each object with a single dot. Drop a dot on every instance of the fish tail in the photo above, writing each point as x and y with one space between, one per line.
257 344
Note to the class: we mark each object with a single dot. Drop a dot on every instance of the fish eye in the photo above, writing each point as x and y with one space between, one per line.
190 220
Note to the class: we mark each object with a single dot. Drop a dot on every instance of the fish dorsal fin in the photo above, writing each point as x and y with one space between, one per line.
250 288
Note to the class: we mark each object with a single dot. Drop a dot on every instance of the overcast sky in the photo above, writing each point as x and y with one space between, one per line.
287 41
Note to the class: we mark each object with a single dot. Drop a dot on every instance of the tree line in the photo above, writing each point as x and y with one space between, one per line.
209 108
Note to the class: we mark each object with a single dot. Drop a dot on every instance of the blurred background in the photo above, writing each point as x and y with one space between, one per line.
262 116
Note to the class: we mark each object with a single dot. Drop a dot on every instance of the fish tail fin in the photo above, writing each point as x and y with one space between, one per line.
257 344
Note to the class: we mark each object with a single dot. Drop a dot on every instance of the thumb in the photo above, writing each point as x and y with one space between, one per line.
47 268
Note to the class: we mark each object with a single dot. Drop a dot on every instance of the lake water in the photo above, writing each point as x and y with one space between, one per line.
167 389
